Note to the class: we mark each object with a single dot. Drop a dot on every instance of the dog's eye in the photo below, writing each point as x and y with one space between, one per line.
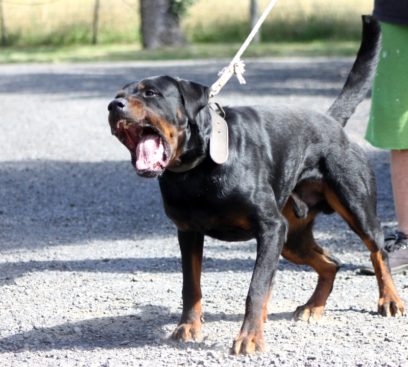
151 93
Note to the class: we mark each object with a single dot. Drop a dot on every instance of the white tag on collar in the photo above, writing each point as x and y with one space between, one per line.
219 138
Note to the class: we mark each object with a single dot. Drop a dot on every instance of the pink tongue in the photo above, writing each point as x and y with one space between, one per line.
149 153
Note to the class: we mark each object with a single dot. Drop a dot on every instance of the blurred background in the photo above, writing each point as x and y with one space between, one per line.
131 29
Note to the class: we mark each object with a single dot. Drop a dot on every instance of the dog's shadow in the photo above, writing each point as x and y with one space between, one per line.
47 203
144 328
139 329
150 326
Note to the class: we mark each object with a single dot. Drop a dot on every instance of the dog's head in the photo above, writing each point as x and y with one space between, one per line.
162 121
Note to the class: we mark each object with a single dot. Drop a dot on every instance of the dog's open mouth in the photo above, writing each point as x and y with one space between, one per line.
149 149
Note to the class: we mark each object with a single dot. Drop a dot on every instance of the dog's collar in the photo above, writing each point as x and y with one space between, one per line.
218 141
184 167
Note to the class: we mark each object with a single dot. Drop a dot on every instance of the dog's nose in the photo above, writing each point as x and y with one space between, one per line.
117 104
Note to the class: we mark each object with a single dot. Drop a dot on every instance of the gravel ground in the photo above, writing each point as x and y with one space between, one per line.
90 270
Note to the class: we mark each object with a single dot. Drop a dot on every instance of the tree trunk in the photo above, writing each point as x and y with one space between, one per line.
159 26
254 15
2 26
95 22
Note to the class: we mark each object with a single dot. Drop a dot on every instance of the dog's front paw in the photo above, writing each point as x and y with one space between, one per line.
309 313
247 343
187 332
391 306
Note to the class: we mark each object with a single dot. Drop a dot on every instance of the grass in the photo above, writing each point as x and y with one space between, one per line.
67 22
290 20
131 52
61 30
57 22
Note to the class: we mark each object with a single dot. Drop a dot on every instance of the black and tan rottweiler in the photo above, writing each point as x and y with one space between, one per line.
285 166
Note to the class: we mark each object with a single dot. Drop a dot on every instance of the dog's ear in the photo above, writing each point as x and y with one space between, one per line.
195 97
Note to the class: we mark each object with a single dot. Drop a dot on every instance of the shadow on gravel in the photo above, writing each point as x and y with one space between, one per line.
144 328
312 78
51 202
56 202
137 330
13 270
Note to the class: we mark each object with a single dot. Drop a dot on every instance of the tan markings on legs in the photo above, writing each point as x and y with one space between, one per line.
302 249
189 327
326 268
265 306
389 304
250 341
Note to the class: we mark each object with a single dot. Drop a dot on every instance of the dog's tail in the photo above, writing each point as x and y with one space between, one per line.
361 74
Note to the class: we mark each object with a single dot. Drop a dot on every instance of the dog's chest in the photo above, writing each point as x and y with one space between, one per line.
207 208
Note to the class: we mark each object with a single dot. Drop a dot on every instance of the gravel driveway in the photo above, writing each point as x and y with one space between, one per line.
90 270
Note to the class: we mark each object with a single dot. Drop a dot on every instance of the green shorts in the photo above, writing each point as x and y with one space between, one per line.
388 123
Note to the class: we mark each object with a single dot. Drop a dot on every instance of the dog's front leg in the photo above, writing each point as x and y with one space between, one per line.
191 246
270 241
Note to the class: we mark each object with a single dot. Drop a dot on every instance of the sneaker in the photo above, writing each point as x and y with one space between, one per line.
396 244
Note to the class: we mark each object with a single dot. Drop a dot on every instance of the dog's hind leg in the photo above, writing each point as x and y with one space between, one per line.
326 267
302 249
353 196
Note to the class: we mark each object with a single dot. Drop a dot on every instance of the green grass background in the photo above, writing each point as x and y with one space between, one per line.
61 30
